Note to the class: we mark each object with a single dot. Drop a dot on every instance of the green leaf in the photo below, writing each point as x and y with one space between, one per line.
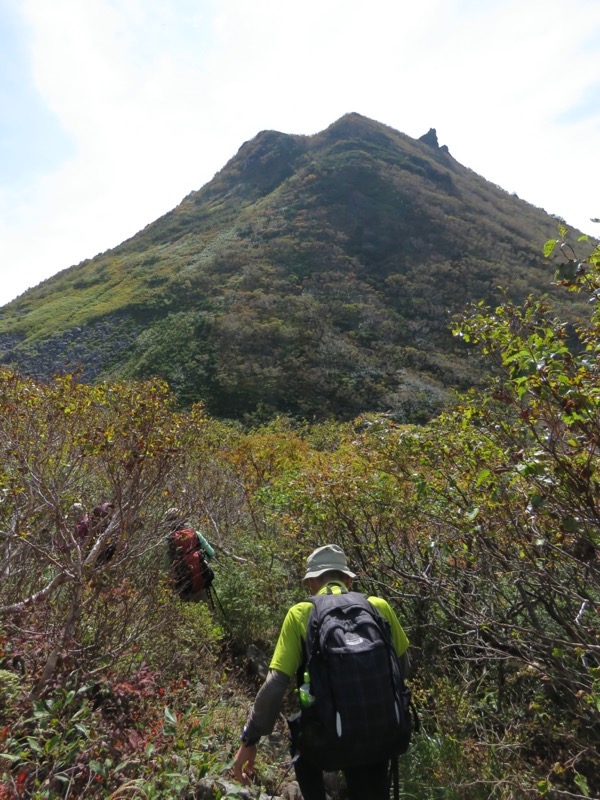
569 524
9 757
537 500
170 716
34 744
51 743
485 473
549 247
82 729
581 781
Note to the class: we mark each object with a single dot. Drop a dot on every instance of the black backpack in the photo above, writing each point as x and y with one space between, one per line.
362 711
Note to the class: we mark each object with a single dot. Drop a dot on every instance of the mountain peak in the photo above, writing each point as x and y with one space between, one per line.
312 276
356 125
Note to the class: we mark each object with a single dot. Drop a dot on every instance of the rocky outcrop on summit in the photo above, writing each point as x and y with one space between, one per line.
430 138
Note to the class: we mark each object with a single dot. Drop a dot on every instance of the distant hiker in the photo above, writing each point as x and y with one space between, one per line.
102 514
82 521
74 530
189 554
350 654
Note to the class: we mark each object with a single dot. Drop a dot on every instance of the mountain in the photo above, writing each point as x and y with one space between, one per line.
313 275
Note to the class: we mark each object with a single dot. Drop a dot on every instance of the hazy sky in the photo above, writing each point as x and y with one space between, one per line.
114 110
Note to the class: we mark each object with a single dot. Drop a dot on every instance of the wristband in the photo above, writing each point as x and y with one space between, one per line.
248 741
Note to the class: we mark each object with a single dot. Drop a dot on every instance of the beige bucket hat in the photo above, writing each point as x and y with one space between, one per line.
327 558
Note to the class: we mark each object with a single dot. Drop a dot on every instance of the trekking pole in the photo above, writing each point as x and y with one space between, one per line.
284 776
210 598
214 596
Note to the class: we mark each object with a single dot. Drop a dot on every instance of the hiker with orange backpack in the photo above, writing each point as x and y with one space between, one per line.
349 656
189 554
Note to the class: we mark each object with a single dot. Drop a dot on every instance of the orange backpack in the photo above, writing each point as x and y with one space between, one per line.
191 570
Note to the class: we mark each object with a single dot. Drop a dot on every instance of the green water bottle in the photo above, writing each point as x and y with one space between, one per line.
306 698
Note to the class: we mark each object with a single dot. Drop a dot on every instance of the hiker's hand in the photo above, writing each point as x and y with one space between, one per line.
243 763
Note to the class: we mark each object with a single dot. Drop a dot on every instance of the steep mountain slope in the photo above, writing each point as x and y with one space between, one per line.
313 275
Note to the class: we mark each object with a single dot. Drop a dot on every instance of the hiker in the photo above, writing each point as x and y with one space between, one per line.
82 521
328 579
74 530
189 554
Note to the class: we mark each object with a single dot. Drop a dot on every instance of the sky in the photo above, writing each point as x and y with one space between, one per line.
114 110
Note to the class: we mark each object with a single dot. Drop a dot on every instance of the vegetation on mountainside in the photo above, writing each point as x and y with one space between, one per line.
313 276
481 528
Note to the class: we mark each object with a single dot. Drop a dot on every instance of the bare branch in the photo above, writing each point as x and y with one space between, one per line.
57 581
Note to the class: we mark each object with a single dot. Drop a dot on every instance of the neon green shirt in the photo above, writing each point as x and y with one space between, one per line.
289 650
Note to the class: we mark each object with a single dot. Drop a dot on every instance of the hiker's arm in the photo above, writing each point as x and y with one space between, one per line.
206 546
260 722
405 664
267 705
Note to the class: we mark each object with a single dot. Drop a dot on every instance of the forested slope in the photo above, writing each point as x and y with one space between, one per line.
314 276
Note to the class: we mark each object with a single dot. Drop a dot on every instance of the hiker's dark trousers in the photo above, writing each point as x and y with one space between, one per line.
368 782
363 783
